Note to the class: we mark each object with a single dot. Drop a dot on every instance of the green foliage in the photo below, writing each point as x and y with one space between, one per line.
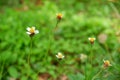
77 76
13 72
71 38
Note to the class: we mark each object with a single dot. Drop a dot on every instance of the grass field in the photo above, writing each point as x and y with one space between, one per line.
23 58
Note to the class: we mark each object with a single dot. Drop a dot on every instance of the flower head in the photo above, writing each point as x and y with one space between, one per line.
83 57
102 37
106 63
92 40
31 31
59 16
60 55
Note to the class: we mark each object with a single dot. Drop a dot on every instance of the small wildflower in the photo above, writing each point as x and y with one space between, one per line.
59 16
83 57
31 31
60 55
102 38
118 33
92 40
106 63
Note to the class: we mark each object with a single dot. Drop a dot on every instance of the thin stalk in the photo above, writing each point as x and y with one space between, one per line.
49 44
91 54
29 55
56 26
109 54
94 77
60 66
30 51
86 70
51 37
115 9
91 60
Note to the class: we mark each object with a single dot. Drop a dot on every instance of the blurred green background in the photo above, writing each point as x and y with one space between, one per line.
81 19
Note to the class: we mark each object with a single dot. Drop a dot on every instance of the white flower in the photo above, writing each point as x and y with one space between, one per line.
31 31
83 57
60 55
102 37
107 63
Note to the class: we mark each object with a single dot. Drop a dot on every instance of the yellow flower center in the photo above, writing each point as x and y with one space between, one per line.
92 39
60 55
59 16
32 30
107 63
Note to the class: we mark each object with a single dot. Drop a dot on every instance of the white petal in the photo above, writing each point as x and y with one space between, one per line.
59 53
33 27
89 38
28 33
94 38
63 56
28 28
36 31
57 56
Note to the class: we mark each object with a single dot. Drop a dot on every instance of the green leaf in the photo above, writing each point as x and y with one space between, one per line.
13 72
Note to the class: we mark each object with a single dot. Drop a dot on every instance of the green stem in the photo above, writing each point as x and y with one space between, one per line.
30 51
56 26
60 66
86 70
91 60
29 56
97 74
109 54
115 9
51 37
48 46
91 54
